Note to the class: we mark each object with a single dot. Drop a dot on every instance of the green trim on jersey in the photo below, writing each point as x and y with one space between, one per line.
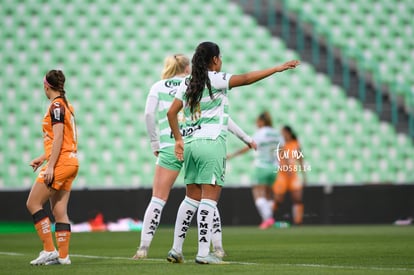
165 91
267 140
211 119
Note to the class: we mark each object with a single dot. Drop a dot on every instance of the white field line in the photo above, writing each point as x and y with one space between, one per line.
147 259
115 258
11 254
377 268
350 267
118 258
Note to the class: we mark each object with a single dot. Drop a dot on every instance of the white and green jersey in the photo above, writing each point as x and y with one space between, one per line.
210 120
159 99
267 140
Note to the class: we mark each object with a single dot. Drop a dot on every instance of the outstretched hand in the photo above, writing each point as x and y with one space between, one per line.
290 64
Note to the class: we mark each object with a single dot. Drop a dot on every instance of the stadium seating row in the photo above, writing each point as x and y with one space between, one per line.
112 52
378 34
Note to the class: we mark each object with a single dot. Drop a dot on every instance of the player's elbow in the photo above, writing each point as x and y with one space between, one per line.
247 80
241 80
149 116
171 114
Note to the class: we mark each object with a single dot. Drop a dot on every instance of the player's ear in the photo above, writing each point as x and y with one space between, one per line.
215 60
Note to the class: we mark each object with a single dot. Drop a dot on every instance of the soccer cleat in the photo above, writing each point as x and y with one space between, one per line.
267 223
209 259
63 261
219 252
44 257
141 253
175 257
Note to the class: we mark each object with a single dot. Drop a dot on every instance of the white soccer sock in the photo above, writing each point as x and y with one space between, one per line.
205 217
185 214
264 208
151 221
216 234
271 203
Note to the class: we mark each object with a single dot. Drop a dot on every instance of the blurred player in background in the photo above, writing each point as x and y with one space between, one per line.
204 98
168 166
55 178
267 139
291 162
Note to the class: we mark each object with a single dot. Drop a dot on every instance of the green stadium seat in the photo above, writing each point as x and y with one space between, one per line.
373 27
112 54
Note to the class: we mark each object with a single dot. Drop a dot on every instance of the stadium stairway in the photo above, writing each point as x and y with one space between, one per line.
329 60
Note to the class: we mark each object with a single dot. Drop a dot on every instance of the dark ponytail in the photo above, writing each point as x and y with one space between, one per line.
201 61
56 80
290 131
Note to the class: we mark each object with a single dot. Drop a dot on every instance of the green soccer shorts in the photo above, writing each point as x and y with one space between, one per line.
205 161
264 176
167 159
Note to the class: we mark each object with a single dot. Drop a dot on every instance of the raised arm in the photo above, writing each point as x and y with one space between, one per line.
150 122
252 77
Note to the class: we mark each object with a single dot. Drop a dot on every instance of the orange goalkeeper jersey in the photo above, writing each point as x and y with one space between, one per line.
59 112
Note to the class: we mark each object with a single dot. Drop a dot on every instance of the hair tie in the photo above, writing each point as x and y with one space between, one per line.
47 83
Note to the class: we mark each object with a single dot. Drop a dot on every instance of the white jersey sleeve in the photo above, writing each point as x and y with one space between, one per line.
153 91
238 132
150 121
181 89
220 80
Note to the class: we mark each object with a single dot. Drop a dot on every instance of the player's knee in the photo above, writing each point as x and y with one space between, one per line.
32 206
161 195
28 205
59 214
194 195
279 199
297 201
194 192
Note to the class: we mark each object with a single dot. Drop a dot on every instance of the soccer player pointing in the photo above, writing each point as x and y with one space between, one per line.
159 100
204 98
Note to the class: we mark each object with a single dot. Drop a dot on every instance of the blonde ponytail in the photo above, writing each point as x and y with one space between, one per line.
174 65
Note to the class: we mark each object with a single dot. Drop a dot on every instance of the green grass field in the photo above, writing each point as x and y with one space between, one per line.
303 250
